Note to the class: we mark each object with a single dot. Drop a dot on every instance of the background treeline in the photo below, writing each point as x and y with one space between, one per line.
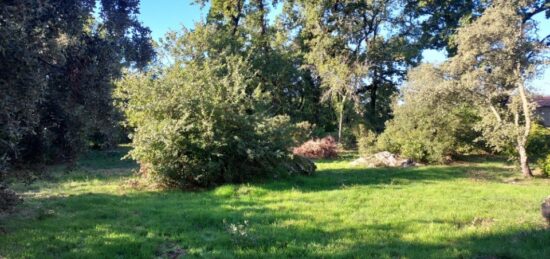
226 101
58 63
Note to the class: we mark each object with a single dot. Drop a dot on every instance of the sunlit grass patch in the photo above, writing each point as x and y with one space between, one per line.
463 210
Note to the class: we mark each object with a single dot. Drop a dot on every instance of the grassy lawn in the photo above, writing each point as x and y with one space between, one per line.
468 210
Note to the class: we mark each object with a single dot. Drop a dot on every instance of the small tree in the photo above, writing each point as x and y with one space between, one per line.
496 55
429 122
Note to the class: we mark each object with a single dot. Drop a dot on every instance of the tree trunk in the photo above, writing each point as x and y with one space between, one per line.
341 119
236 18
373 96
522 139
524 161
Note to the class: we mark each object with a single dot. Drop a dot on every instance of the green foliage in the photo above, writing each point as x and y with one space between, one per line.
544 165
303 131
496 56
442 18
538 144
366 142
538 147
202 122
429 122
58 64
356 60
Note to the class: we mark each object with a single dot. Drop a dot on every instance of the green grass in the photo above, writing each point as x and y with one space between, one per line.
469 210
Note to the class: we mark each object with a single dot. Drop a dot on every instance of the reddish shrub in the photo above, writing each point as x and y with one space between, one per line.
317 148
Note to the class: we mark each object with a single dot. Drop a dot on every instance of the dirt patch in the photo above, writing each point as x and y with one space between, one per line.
171 251
480 175
476 222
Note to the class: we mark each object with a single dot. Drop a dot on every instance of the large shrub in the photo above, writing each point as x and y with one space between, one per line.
538 147
544 165
206 123
429 124
538 144
366 141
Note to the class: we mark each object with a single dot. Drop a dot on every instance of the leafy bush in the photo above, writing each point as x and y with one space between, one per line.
206 123
366 143
429 124
349 138
303 131
538 147
538 144
318 148
544 165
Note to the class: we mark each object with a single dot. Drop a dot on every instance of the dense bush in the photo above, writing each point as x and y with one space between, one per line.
207 123
428 124
366 141
544 165
59 60
538 147
538 144
318 148
303 131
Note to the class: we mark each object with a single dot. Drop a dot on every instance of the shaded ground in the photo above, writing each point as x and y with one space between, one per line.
470 210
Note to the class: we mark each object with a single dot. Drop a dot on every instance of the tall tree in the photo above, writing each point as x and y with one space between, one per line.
59 61
496 55
439 20
360 49
431 123
274 52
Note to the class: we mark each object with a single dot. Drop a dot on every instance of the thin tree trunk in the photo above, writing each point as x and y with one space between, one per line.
522 139
341 120
235 19
524 161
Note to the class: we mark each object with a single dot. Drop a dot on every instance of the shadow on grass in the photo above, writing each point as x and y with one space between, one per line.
331 179
107 159
211 224
205 225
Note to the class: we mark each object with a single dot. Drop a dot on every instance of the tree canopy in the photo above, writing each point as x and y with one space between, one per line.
58 64
341 68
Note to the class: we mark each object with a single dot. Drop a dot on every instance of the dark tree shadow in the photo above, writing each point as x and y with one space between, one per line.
144 224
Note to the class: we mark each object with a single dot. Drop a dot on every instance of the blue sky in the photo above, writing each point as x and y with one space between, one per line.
165 15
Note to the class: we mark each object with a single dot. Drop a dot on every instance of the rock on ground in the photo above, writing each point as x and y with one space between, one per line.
383 159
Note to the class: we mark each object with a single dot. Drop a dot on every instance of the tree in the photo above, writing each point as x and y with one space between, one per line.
360 51
274 51
438 20
340 80
60 61
23 74
430 122
497 54
206 119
